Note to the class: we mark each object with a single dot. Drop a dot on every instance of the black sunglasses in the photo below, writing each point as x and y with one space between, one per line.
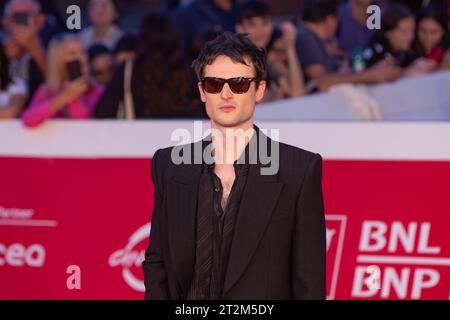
237 85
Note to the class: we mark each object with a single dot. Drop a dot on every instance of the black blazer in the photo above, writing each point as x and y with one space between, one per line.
278 249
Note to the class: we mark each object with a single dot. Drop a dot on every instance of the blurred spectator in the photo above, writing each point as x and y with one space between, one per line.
393 42
284 78
282 59
102 64
202 16
199 41
394 39
13 91
158 83
103 15
23 22
433 37
319 24
352 29
254 18
67 91
125 48
54 24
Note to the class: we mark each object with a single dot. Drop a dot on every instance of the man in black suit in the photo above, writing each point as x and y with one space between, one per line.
240 220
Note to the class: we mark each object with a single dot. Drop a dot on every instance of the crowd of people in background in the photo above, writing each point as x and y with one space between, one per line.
106 71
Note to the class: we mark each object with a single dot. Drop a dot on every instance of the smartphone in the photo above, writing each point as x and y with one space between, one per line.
74 69
21 18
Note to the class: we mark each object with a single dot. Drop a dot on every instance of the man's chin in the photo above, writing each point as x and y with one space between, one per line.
228 123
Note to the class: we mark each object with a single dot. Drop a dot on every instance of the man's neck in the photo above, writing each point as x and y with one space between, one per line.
229 142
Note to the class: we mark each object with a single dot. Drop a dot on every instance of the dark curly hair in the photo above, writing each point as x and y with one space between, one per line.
235 46
165 76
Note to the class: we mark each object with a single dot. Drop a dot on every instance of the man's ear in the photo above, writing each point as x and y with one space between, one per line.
202 93
260 91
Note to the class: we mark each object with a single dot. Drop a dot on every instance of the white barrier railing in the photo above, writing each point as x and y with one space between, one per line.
420 98
137 139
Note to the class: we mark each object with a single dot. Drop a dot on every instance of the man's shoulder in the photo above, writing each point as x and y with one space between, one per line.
297 163
309 47
289 152
162 155
170 155
305 34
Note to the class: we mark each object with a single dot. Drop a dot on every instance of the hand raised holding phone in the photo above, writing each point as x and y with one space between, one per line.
74 69
77 82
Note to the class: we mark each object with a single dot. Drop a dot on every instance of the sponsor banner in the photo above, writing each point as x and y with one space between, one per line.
76 200
57 213
78 228
387 227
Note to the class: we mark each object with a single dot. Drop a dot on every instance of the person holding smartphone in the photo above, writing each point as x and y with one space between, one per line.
68 91
23 21
13 91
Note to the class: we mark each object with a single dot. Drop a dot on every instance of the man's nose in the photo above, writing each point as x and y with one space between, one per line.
226 92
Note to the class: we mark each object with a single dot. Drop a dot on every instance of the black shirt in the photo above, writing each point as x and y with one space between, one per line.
222 222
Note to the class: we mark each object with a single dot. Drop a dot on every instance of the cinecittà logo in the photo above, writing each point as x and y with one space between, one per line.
131 257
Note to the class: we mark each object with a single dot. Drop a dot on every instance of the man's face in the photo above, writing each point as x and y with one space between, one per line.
227 109
259 30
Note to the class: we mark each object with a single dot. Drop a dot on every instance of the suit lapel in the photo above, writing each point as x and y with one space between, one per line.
182 206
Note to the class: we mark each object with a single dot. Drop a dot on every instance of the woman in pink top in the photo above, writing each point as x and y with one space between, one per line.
68 91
